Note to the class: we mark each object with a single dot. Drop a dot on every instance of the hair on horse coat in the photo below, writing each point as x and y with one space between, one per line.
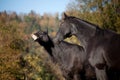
101 46
70 57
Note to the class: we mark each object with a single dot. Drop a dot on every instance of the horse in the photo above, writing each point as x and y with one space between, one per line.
70 57
102 46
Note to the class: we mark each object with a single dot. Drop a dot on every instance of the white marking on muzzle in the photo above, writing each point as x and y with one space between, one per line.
34 36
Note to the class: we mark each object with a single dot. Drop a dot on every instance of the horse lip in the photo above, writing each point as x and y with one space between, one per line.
34 37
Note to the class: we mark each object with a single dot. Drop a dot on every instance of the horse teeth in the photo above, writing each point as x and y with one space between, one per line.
34 36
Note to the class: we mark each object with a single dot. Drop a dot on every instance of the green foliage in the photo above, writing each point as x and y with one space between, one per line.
32 22
34 67
17 44
101 12
73 40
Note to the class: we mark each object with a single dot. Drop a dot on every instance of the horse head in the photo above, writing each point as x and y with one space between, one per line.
66 29
41 36
71 25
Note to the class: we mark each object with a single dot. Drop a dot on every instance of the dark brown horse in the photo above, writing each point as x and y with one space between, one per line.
70 57
102 46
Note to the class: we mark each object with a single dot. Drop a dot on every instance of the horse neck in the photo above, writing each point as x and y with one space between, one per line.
48 46
85 31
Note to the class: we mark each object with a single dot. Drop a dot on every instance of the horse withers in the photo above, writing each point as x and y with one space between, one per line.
101 46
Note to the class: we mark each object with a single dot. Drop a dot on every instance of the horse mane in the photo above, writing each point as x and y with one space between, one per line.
72 17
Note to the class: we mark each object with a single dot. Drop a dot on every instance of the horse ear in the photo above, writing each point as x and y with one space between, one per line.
64 16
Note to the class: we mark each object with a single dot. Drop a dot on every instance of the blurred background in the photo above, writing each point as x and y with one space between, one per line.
23 59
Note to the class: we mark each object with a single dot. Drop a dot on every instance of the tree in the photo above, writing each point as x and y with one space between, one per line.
15 42
102 12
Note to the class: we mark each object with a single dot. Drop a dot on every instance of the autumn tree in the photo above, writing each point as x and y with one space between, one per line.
101 12
20 57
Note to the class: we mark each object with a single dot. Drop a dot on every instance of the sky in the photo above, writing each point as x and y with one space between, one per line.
39 6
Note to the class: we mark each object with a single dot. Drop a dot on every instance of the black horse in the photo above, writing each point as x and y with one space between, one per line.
101 46
70 57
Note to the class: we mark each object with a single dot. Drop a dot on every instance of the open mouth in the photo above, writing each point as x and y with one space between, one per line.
34 37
